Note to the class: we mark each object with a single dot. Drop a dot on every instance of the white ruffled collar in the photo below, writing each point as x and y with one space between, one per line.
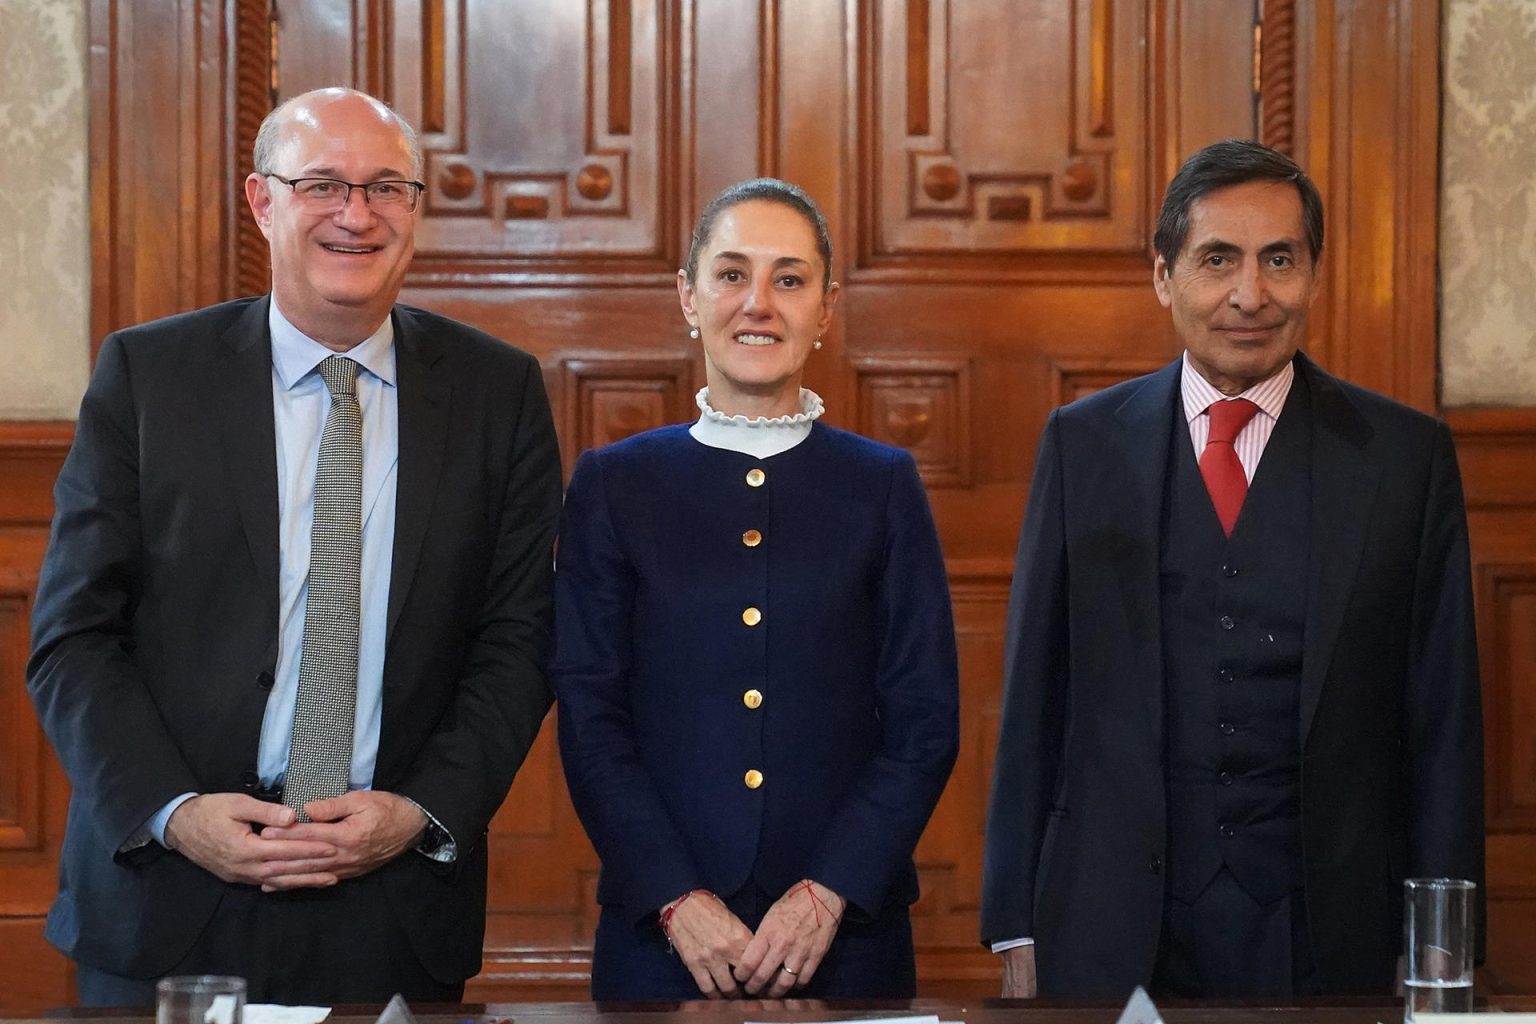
759 436
811 408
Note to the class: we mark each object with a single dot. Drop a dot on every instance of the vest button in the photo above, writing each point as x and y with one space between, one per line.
1155 864
751 616
1227 622
249 779
264 680
1229 570
752 538
753 778
1226 778
1227 728
755 477
753 699
1227 831
1225 675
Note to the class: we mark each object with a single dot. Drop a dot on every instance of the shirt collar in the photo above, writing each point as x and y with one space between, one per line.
1268 394
295 354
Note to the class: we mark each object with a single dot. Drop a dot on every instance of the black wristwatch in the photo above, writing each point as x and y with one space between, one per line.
433 838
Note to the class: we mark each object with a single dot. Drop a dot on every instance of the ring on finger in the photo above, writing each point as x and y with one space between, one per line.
789 972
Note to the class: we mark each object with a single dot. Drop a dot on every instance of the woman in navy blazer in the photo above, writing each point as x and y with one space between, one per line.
755 656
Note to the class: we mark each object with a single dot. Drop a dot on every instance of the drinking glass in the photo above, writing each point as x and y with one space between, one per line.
1437 937
200 999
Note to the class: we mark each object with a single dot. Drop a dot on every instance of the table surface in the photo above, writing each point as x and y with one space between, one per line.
988 1011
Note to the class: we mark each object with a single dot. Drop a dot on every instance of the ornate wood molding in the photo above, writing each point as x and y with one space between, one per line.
255 93
1276 43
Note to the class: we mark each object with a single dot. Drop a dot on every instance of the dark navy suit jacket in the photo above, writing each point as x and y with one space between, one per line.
854 659
1390 714
155 628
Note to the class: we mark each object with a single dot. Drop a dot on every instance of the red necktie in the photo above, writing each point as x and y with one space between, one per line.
1219 465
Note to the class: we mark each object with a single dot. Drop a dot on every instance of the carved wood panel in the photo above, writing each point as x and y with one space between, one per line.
32 791
1076 379
922 405
1507 596
547 127
21 739
1497 451
963 158
607 400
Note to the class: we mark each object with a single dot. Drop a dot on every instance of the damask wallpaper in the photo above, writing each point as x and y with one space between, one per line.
44 239
1488 204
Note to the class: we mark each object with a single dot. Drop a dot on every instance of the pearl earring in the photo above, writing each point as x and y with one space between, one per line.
816 343
693 332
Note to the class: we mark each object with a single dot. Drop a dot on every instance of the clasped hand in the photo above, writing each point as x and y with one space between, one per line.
345 837
728 960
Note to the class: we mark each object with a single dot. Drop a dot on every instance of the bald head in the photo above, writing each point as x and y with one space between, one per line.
307 114
337 267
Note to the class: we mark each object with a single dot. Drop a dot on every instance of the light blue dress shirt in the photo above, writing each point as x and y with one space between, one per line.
300 404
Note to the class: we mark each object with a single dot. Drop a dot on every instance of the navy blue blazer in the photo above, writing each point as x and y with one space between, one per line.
1390 714
853 658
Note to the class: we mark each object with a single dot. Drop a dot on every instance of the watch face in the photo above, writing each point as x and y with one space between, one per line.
433 838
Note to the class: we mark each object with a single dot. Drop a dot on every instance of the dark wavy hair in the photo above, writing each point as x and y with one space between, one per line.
1223 164
770 190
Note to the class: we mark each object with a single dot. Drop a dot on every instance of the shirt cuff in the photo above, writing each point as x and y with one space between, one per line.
1005 945
437 842
154 828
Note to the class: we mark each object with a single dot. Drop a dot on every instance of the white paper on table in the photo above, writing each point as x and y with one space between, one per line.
1491 1017
1140 1009
221 1010
273 1013
929 1018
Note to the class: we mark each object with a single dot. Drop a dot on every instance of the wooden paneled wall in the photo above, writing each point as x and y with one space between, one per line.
990 170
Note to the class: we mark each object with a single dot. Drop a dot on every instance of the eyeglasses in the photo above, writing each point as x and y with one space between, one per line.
329 195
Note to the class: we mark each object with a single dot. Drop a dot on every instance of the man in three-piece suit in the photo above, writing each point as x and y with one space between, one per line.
1241 701
290 631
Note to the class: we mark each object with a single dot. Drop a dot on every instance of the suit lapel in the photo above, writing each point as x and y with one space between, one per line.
424 391
1345 475
240 392
1146 418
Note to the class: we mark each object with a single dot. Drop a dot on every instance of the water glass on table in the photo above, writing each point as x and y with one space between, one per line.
200 999
1438 938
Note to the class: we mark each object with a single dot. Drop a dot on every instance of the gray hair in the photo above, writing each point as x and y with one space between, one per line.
269 135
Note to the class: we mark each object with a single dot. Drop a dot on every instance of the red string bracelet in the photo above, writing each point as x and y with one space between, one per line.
818 904
667 912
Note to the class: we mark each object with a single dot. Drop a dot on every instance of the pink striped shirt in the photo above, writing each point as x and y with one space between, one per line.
1269 395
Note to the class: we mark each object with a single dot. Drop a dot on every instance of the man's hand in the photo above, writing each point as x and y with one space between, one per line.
214 831
708 939
363 830
791 940
1019 972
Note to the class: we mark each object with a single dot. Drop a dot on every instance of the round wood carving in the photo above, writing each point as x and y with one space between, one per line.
594 182
456 182
1080 181
941 182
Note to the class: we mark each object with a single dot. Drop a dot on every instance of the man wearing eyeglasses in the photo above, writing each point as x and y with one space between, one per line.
290 631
